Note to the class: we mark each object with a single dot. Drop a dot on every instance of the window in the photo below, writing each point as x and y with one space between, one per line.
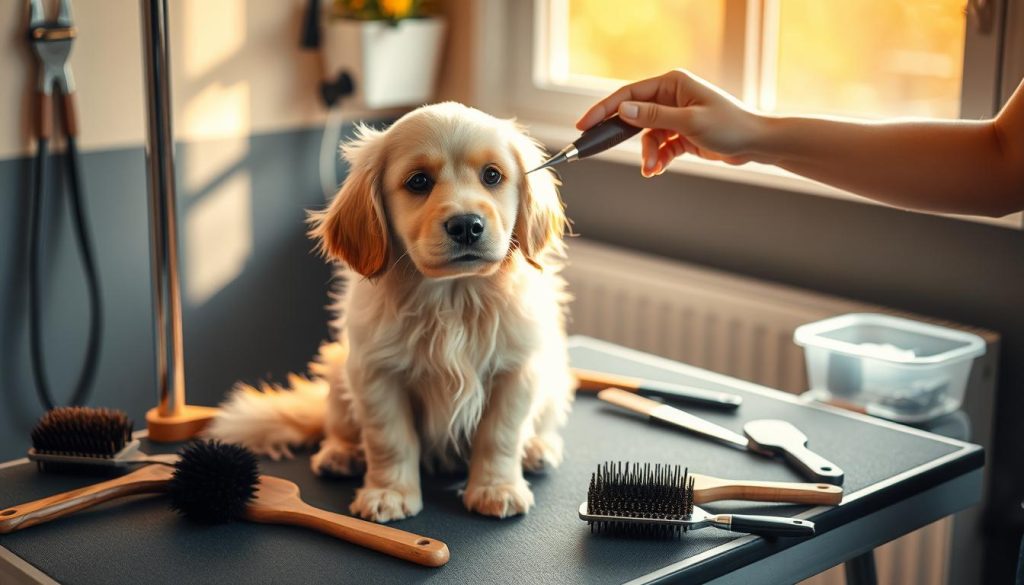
870 58
546 61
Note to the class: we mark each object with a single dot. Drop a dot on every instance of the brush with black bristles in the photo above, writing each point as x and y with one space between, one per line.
213 482
82 436
657 501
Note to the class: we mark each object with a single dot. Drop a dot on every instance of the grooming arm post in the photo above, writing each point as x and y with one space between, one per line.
172 419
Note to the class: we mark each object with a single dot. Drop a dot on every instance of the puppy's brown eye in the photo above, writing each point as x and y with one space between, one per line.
419 183
491 176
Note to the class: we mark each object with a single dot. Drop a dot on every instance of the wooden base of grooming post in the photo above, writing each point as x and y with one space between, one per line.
172 420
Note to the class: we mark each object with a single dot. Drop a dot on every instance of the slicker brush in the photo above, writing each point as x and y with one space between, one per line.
657 501
78 438
634 491
83 431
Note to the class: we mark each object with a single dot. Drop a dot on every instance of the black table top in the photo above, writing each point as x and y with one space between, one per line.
140 539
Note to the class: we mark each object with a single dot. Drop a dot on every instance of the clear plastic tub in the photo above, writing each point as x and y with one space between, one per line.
890 367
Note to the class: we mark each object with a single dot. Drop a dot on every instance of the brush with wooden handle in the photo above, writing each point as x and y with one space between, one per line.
645 500
146 480
214 482
715 489
593 381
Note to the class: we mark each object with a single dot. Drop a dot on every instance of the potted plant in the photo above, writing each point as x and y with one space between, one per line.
390 48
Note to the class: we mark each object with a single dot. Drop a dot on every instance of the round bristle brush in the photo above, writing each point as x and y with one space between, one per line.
214 482
658 501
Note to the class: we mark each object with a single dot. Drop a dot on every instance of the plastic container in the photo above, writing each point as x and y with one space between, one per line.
895 368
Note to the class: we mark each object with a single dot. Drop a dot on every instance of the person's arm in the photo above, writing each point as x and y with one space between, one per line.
970 167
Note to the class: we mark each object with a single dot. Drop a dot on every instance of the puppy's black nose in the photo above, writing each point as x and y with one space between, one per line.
465 229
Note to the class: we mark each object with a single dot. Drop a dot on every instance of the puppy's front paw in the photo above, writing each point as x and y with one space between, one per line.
502 500
542 452
337 458
385 504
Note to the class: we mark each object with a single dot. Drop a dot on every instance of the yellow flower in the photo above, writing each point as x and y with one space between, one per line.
396 8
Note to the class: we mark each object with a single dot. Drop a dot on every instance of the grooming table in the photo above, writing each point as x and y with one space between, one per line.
897 480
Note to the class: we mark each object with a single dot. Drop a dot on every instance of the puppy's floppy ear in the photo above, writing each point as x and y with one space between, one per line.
540 222
353 228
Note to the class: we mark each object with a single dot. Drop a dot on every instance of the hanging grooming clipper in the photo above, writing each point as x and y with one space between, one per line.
51 42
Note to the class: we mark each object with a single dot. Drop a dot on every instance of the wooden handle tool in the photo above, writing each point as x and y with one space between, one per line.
147 480
714 489
672 416
592 381
277 501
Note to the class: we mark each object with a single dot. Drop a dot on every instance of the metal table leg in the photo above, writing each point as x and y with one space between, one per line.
860 570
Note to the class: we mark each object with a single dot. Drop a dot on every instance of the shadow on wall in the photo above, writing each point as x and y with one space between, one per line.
252 293
263 321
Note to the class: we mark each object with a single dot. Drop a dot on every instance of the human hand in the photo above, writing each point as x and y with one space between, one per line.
683 114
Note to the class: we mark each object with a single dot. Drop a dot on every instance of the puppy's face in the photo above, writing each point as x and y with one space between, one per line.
445 187
451 191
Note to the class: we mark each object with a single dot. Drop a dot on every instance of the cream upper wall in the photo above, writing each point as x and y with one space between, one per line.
236 69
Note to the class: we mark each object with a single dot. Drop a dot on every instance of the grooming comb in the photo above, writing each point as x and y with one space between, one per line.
658 501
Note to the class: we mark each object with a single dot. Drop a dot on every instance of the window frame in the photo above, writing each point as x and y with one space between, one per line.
504 82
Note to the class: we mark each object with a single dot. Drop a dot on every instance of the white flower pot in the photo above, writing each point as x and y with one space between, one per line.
391 65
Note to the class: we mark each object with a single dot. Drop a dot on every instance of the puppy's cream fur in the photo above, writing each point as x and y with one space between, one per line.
438 360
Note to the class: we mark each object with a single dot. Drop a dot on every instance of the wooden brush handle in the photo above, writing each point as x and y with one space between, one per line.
149 479
628 400
385 539
591 381
713 489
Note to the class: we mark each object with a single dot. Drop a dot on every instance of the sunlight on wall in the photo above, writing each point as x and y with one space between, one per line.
219 111
214 32
216 115
218 237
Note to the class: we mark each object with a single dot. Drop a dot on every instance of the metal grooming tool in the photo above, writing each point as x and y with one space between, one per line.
606 134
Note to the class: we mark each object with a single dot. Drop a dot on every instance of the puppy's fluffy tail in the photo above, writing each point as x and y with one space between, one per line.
272 419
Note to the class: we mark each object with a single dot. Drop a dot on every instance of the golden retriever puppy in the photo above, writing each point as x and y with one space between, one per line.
450 341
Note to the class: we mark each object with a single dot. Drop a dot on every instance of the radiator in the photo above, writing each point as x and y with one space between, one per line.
744 328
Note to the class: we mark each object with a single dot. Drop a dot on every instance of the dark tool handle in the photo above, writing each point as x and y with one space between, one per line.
76 198
812 465
45 129
768 525
689 394
70 115
590 380
311 26
604 135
